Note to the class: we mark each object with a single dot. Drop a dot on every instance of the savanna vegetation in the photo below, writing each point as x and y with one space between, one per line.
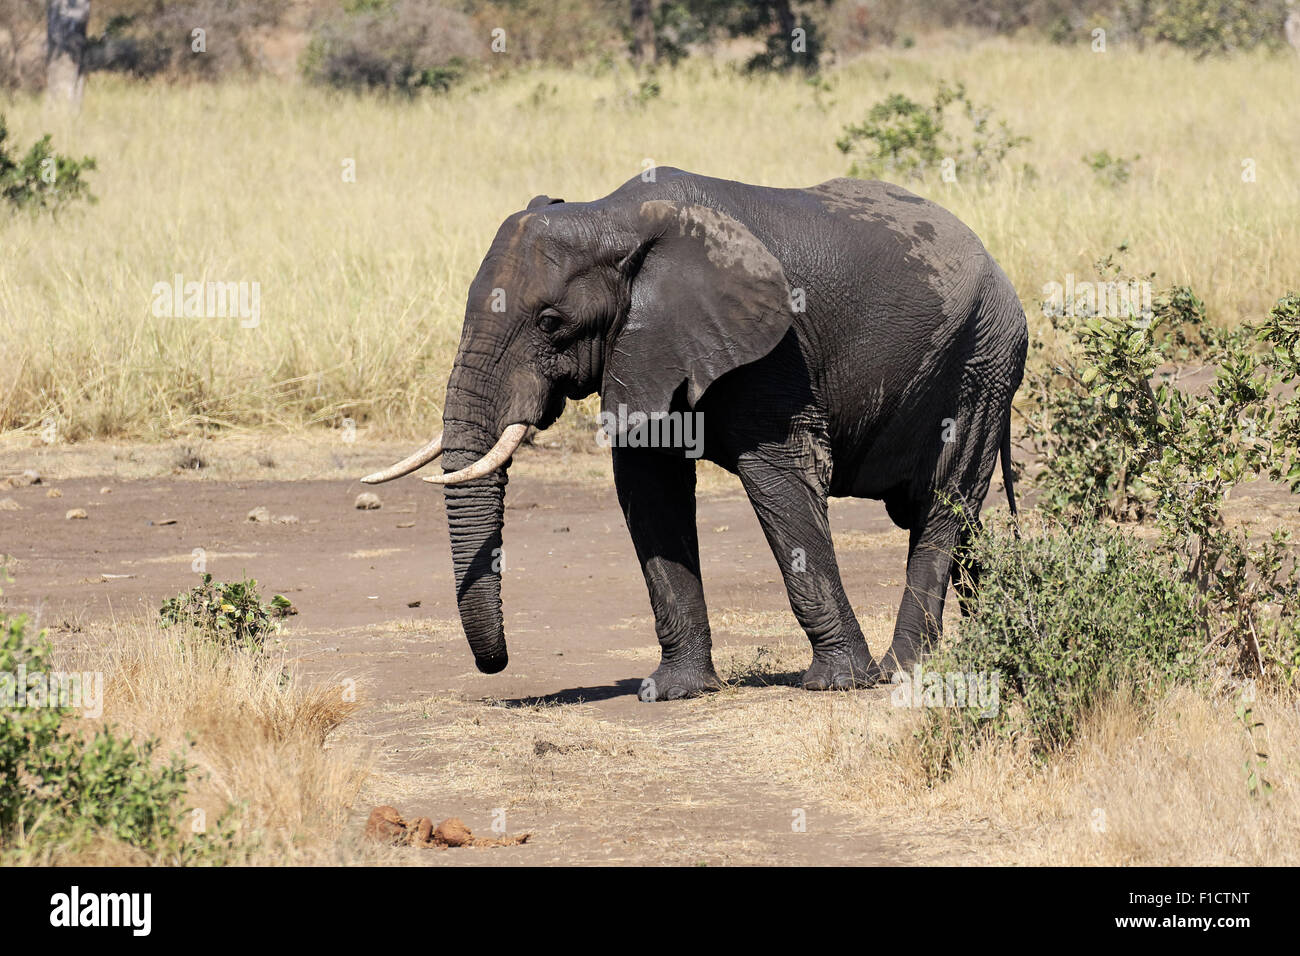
354 159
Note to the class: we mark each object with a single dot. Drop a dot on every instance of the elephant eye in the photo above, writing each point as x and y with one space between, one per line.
548 320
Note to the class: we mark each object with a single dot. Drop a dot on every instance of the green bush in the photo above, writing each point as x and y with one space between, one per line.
41 179
1119 438
157 38
1205 27
1110 170
901 137
398 46
1064 617
229 614
61 785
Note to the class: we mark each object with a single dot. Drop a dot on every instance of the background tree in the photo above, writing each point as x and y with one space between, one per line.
65 50
643 32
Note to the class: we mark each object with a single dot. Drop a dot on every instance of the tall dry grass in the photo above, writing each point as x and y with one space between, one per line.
363 283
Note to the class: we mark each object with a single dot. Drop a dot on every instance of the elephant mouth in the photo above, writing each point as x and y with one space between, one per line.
551 414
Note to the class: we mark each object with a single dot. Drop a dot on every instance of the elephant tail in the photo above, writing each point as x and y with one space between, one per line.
1006 471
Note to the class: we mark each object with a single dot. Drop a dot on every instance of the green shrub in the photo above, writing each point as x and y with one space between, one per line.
1064 617
1119 438
157 38
59 784
901 137
229 614
398 46
41 179
1205 27
1110 170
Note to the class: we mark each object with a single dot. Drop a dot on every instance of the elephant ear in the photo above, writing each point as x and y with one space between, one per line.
706 297
543 200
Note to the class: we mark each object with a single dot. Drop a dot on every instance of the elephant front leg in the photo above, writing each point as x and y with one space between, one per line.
657 494
791 507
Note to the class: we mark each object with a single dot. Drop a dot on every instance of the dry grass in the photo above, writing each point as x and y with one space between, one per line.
363 283
259 742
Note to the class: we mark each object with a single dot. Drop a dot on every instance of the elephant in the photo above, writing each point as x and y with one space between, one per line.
850 339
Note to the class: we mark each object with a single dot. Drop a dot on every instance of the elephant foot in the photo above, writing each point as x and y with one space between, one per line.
842 669
678 681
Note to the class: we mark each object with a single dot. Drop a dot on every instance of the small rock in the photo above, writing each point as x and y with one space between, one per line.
75 513
106 490
8 504
162 522
367 501
259 514
406 524
286 519
54 493
412 603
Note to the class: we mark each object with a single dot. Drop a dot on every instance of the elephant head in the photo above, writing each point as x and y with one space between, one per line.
647 300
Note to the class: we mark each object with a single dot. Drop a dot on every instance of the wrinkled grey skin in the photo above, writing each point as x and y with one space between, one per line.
894 382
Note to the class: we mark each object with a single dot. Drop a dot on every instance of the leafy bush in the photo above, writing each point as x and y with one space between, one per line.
1083 468
41 179
1119 438
230 614
903 137
1110 170
158 38
1065 617
58 784
1206 27
396 45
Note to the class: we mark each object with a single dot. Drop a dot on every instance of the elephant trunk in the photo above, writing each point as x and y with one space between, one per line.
475 513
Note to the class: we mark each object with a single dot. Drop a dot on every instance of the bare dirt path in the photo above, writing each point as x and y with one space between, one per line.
558 744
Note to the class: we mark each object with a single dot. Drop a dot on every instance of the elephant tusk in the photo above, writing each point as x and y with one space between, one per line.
408 464
510 439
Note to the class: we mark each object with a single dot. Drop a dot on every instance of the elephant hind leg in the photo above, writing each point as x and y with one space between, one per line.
920 614
944 518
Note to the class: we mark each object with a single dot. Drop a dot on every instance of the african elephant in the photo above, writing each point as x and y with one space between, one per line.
849 339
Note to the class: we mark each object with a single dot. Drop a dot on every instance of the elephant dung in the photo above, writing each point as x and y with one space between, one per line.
386 825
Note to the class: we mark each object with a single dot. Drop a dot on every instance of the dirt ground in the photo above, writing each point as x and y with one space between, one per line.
558 744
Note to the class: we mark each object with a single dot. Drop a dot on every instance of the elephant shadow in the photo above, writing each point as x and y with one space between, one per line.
579 695
628 687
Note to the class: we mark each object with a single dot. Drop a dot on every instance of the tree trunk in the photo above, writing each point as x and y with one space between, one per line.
65 33
643 32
